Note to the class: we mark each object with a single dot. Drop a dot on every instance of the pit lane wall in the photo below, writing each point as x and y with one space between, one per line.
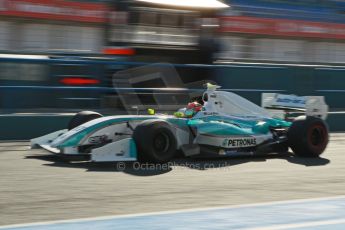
249 80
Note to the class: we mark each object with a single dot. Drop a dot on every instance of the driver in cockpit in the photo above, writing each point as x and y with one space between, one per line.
198 104
190 110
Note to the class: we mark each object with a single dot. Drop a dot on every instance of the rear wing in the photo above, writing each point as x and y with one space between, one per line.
312 105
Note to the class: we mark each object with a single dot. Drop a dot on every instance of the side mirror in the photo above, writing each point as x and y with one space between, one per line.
151 111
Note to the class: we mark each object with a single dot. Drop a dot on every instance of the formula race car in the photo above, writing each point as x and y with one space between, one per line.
224 124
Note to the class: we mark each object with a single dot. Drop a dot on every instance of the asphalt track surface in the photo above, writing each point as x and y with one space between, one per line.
36 186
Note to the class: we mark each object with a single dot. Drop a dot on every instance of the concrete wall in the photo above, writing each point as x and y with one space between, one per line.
248 80
251 80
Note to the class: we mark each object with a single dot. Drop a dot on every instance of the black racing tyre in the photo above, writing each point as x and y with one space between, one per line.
308 136
81 118
155 141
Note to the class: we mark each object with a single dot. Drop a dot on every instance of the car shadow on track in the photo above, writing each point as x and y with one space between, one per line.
149 169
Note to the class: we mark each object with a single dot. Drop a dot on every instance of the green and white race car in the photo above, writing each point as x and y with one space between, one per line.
225 125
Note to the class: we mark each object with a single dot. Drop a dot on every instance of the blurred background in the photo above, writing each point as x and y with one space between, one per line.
62 55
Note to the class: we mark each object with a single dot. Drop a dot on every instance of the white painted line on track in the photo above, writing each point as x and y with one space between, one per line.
300 225
295 201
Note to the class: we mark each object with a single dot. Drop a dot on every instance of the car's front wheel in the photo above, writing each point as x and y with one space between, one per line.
308 136
155 141
82 117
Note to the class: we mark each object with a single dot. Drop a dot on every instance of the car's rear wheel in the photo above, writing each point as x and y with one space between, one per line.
308 136
155 141
82 117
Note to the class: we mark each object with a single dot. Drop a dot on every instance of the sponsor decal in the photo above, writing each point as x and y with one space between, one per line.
288 100
55 10
282 27
98 139
239 142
